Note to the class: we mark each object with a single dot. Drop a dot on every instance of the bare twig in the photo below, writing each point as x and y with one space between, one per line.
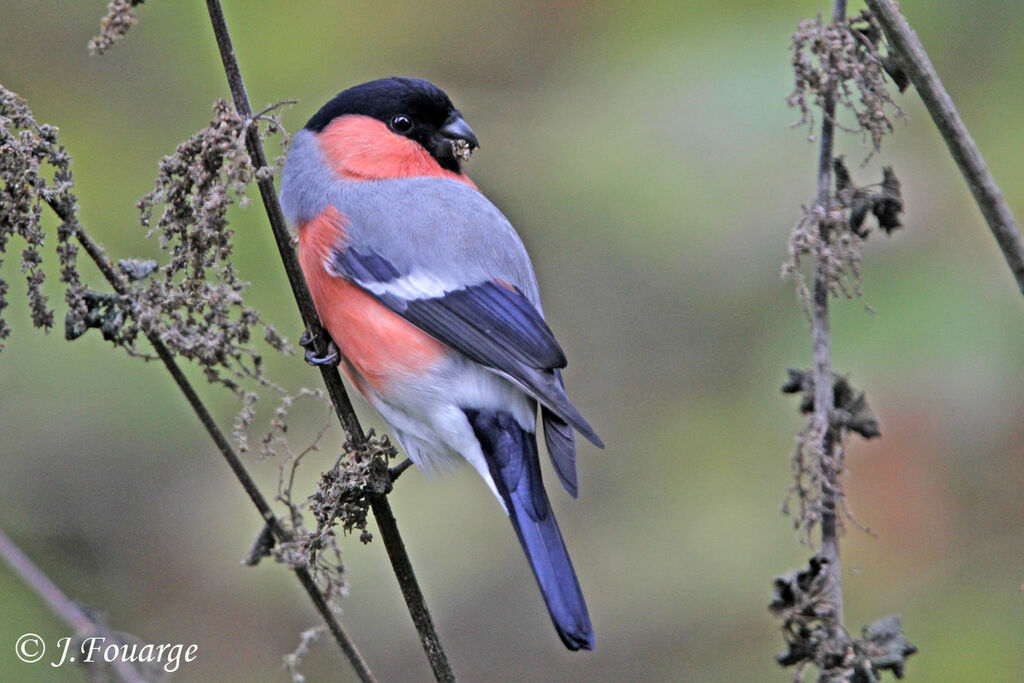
821 342
914 61
810 601
119 285
410 587
61 605
332 379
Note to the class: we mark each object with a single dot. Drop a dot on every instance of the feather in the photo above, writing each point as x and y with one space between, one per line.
520 486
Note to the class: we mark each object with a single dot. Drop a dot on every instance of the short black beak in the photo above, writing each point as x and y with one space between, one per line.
457 129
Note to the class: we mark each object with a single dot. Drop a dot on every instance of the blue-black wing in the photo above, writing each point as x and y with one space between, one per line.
491 323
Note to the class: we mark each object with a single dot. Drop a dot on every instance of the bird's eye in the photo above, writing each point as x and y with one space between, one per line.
401 124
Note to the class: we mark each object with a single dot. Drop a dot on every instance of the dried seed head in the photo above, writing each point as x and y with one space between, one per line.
844 59
114 25
34 169
461 149
194 301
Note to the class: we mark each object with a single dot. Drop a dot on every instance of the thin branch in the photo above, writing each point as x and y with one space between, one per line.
300 291
332 379
61 605
410 587
914 61
95 252
826 58
821 341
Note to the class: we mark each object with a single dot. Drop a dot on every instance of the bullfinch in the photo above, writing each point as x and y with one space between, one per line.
433 308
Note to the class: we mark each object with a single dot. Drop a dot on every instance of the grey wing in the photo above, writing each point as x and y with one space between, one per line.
444 258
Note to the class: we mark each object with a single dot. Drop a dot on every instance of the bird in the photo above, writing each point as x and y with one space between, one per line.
433 309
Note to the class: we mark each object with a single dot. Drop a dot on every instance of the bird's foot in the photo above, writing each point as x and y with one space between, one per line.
330 358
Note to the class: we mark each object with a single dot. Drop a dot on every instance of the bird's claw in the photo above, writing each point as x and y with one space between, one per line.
330 358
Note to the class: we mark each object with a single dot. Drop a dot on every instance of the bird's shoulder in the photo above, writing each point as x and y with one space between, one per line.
434 225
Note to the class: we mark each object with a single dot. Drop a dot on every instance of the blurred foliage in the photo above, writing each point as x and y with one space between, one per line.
643 151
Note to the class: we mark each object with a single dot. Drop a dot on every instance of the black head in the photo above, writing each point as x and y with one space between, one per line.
410 107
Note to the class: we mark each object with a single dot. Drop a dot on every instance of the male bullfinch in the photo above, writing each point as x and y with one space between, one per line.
429 296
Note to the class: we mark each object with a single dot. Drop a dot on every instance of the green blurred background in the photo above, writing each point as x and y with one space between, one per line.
644 153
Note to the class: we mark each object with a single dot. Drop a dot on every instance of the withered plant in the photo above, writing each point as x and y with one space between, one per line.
190 305
844 69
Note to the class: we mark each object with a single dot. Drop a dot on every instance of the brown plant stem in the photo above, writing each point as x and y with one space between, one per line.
914 61
332 379
300 291
61 605
119 285
410 587
821 342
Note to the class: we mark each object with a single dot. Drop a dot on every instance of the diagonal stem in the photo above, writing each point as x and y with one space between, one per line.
60 604
95 252
410 587
332 379
987 194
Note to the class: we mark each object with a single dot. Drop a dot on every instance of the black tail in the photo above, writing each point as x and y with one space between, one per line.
511 454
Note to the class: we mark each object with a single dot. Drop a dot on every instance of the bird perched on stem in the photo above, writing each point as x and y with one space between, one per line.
433 308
